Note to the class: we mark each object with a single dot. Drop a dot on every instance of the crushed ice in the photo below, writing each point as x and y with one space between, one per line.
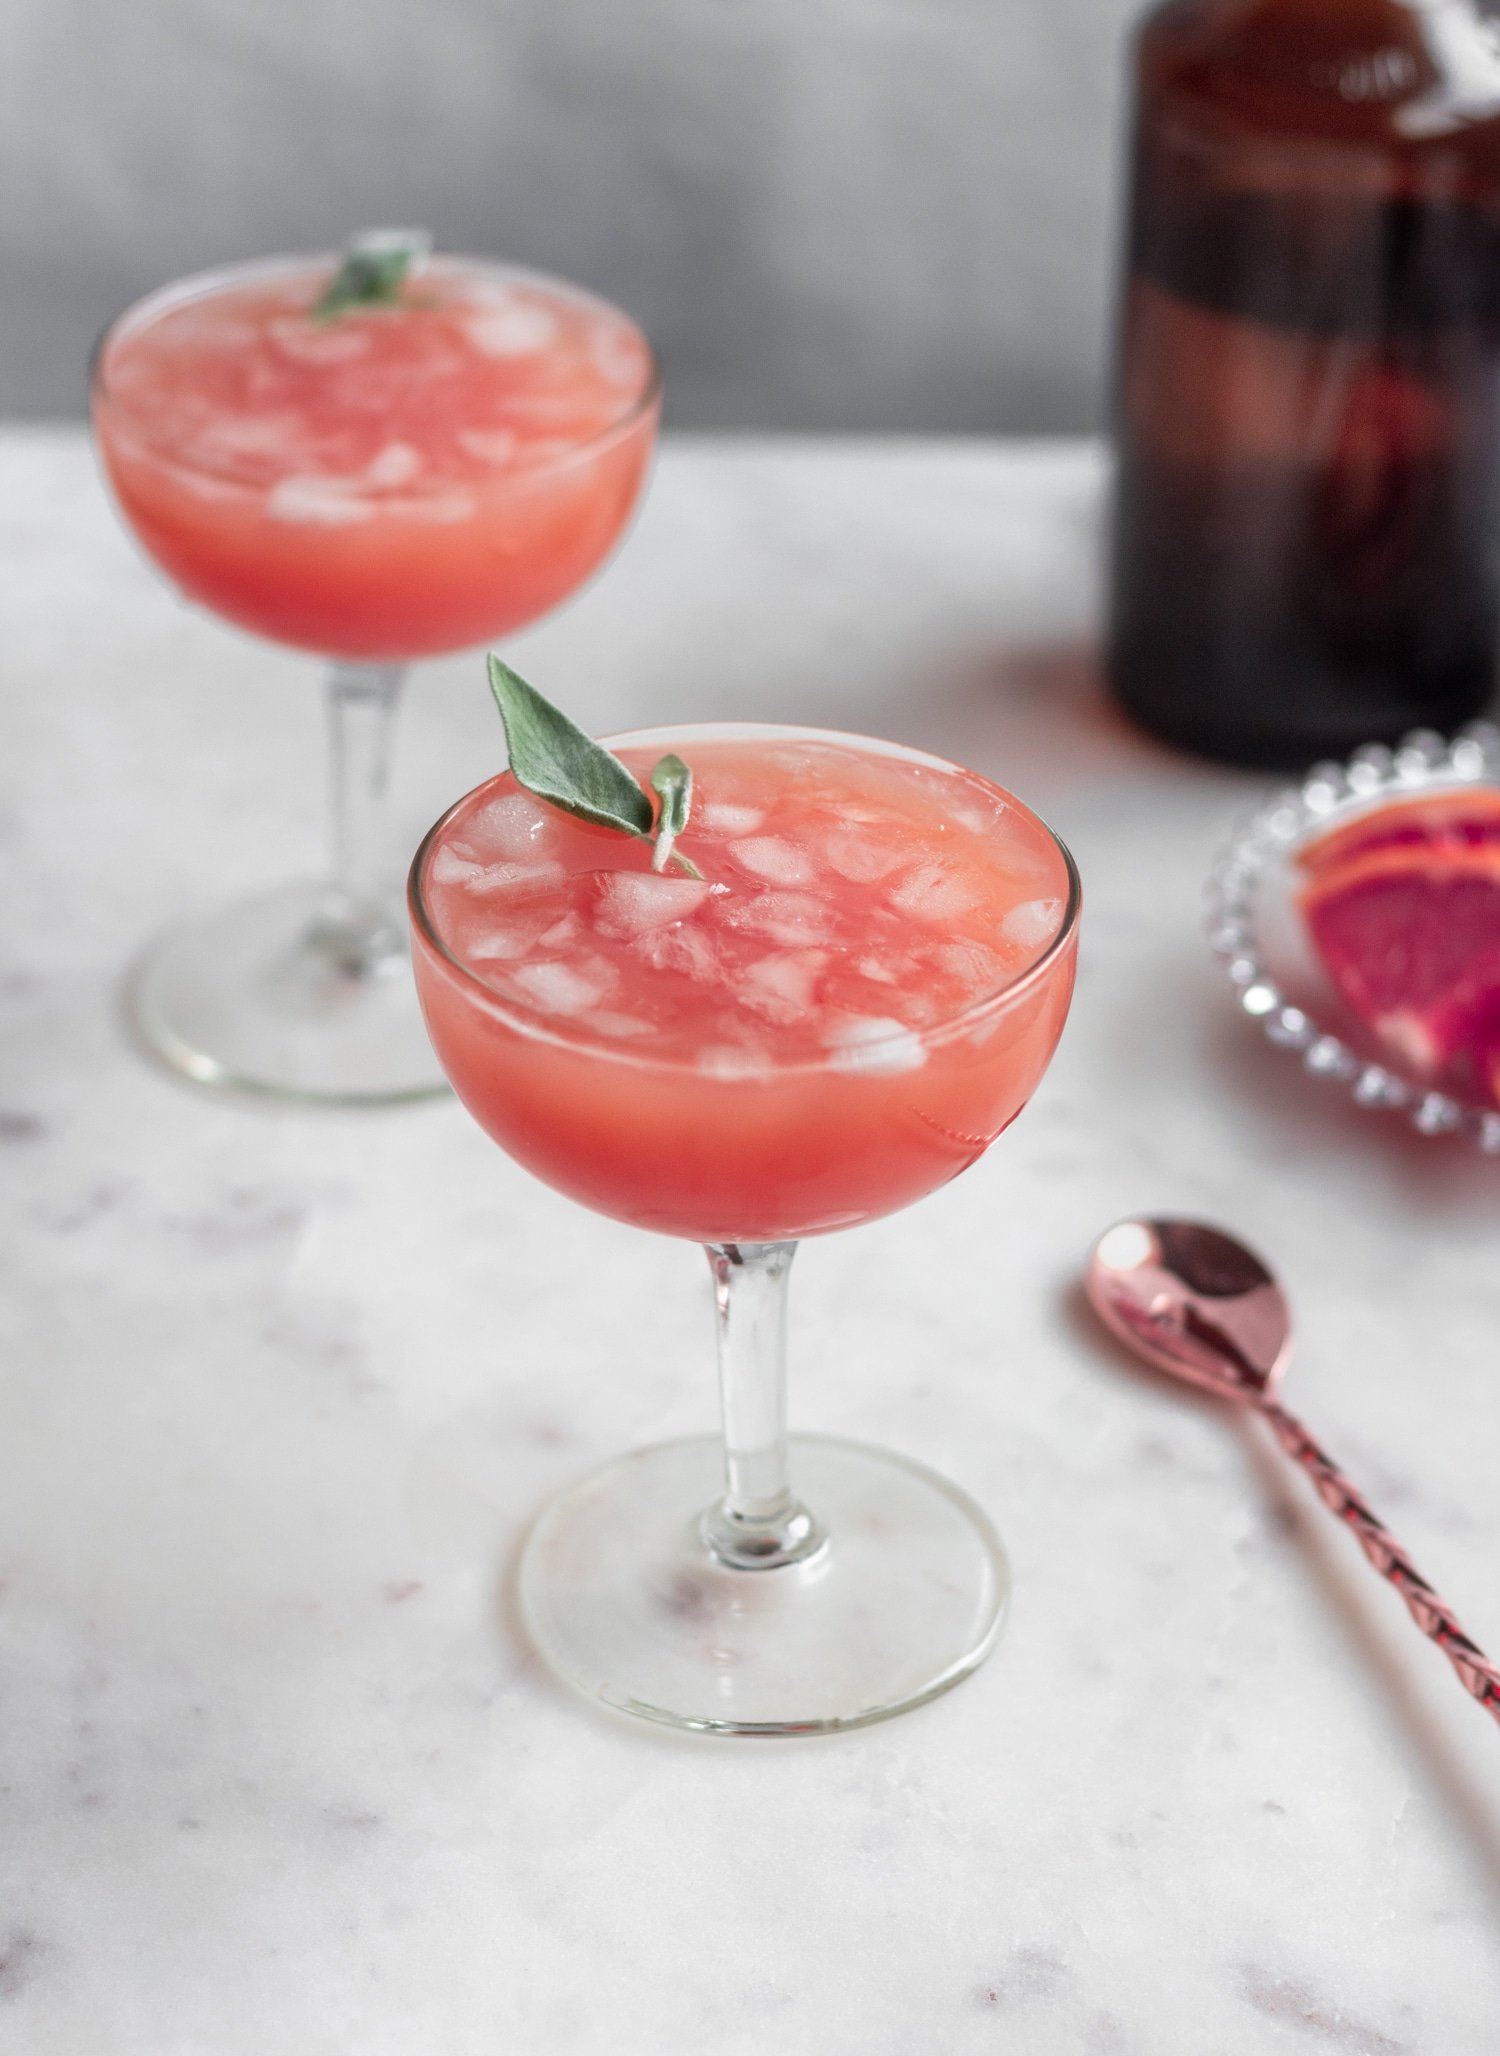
970 963
862 859
782 987
566 988
681 949
785 917
297 338
505 945
489 445
874 1043
394 464
318 501
631 902
935 892
520 881
722 817
511 331
1033 922
449 868
515 825
773 859
735 1063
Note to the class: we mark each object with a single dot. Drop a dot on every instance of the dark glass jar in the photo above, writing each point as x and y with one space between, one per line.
1308 487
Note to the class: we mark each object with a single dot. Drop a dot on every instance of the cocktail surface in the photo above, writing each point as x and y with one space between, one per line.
836 1017
390 481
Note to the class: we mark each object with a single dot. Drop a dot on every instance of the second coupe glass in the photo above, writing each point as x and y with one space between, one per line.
373 485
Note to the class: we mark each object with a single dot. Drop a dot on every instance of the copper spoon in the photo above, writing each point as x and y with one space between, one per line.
1194 1302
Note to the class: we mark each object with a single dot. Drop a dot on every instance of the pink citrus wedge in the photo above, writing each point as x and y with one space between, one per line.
1403 908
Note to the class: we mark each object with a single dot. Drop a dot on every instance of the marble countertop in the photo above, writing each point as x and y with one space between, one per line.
279 1393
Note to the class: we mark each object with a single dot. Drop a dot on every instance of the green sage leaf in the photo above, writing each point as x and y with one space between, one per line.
375 266
672 782
553 758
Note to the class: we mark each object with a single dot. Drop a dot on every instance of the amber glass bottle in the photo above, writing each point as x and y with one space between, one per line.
1305 536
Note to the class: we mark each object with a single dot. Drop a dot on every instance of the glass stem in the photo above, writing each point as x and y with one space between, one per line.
358 925
757 1525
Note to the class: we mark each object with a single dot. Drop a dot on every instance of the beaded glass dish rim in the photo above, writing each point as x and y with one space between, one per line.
1421 761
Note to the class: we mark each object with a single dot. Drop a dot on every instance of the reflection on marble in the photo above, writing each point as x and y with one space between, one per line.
279 1393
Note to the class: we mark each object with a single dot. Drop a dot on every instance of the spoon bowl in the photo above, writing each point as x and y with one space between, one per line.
1194 1302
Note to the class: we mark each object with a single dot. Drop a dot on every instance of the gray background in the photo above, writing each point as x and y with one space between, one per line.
841 214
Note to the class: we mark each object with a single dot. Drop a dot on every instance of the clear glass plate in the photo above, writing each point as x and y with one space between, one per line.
1258 935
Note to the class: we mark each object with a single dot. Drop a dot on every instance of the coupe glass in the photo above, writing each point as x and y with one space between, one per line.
390 484
750 1585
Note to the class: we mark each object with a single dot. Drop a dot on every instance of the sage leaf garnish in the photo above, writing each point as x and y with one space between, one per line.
552 757
375 266
672 782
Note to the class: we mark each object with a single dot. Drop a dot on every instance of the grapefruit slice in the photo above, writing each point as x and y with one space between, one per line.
1461 817
1402 906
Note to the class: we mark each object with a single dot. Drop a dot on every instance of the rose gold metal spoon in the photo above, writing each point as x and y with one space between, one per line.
1194 1302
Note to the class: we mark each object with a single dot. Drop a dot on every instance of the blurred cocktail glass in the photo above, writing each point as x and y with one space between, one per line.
373 484
856 996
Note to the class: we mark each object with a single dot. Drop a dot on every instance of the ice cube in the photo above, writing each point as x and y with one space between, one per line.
772 858
878 969
515 825
735 1062
862 859
306 343
559 988
518 881
395 464
935 892
789 918
1032 923
232 439
619 354
201 484
449 868
480 291
803 757
619 1027
977 820
722 817
632 902
489 445
782 986
874 1043
970 963
513 330
318 501
685 950
562 934
504 945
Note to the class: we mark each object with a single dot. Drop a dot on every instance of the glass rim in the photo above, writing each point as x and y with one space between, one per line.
200 284
950 1028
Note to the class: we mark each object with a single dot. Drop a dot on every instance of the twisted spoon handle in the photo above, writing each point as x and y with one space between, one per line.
1431 1612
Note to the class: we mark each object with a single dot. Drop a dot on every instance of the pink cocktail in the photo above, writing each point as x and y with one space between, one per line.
858 995
388 483
373 484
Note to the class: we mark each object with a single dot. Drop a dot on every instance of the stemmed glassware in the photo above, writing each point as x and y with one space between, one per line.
373 483
858 991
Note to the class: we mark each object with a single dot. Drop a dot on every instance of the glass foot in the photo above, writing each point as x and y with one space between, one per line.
271 996
626 1602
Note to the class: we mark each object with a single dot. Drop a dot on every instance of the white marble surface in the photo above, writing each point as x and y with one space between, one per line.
278 1394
